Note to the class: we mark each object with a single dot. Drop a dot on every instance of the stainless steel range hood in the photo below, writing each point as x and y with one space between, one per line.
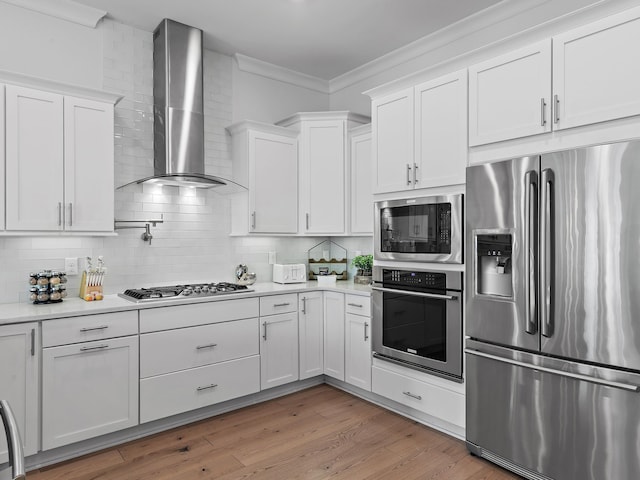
178 109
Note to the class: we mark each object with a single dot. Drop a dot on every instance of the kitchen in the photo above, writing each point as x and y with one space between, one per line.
193 243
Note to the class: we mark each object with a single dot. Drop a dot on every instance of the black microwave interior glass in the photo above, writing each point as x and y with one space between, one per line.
416 228
415 325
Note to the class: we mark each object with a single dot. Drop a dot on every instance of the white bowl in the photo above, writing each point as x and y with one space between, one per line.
326 279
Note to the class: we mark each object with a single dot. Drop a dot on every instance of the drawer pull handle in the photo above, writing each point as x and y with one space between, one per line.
264 324
101 327
98 347
211 345
281 304
355 305
213 385
366 334
412 395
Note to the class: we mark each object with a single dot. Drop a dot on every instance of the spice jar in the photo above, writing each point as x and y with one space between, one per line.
54 279
43 294
54 294
43 277
63 277
33 294
63 291
33 279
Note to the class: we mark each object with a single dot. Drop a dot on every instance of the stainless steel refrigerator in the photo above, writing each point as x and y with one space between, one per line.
553 313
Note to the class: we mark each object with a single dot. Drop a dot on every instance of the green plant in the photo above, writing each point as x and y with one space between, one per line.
363 262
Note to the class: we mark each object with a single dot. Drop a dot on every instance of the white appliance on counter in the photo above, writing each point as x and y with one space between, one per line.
289 273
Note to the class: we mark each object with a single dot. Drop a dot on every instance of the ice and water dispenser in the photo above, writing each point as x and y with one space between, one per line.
493 264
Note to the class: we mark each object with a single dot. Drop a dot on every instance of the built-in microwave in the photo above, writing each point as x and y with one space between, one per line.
422 229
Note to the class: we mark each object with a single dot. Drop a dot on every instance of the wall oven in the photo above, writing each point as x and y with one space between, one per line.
417 319
422 229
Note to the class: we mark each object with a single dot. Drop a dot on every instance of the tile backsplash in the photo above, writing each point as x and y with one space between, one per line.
193 243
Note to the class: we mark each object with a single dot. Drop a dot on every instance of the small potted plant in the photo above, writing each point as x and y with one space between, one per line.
364 264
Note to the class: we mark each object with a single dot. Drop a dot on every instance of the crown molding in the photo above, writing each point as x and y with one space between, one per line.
245 125
64 9
276 72
467 26
345 115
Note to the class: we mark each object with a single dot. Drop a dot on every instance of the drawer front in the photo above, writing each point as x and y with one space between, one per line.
179 392
178 316
430 399
358 305
64 331
173 350
275 304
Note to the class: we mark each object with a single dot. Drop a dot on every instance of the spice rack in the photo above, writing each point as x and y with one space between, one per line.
47 286
328 258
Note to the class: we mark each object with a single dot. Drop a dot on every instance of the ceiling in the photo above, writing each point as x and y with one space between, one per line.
321 38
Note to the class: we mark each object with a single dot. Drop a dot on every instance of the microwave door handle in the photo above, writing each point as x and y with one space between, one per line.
531 218
547 253
16 454
416 294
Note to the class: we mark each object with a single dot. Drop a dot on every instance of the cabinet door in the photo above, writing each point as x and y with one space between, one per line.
509 96
88 165
596 73
311 335
2 158
278 349
358 351
88 389
441 131
334 334
273 183
392 137
34 153
19 360
361 184
323 173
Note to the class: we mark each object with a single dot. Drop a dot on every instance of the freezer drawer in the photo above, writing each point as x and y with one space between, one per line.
524 413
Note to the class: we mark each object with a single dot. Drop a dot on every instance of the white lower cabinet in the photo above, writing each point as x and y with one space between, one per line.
278 349
334 334
430 398
19 362
358 351
311 334
165 395
88 389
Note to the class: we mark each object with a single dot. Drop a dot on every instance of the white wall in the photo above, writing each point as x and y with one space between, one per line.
35 44
266 100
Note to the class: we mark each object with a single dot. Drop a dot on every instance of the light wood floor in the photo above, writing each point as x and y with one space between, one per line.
318 433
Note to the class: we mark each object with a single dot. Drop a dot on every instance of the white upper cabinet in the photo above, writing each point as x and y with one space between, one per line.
59 161
266 162
510 96
361 218
593 80
34 159
441 131
595 73
324 169
420 135
392 142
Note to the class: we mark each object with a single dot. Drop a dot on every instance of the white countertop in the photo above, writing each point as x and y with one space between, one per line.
75 306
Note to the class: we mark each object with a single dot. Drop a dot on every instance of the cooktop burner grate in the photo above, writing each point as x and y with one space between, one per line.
181 291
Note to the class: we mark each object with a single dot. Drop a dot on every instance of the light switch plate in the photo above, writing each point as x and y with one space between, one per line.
71 265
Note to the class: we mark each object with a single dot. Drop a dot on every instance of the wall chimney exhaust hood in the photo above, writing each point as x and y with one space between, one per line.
178 109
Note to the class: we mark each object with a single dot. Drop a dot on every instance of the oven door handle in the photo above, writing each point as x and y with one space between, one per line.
416 294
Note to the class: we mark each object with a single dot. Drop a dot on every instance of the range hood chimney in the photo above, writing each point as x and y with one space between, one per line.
178 108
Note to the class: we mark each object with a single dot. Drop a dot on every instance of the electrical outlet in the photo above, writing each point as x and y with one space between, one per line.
272 258
71 265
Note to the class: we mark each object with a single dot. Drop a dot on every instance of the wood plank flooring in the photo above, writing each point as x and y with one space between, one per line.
317 433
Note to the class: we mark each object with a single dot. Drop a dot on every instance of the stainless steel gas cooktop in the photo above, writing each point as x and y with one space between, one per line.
196 290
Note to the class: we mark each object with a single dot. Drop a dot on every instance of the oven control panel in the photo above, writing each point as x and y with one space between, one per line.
407 278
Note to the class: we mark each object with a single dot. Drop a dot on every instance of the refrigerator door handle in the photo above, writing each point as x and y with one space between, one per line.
547 253
530 250
576 376
16 455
